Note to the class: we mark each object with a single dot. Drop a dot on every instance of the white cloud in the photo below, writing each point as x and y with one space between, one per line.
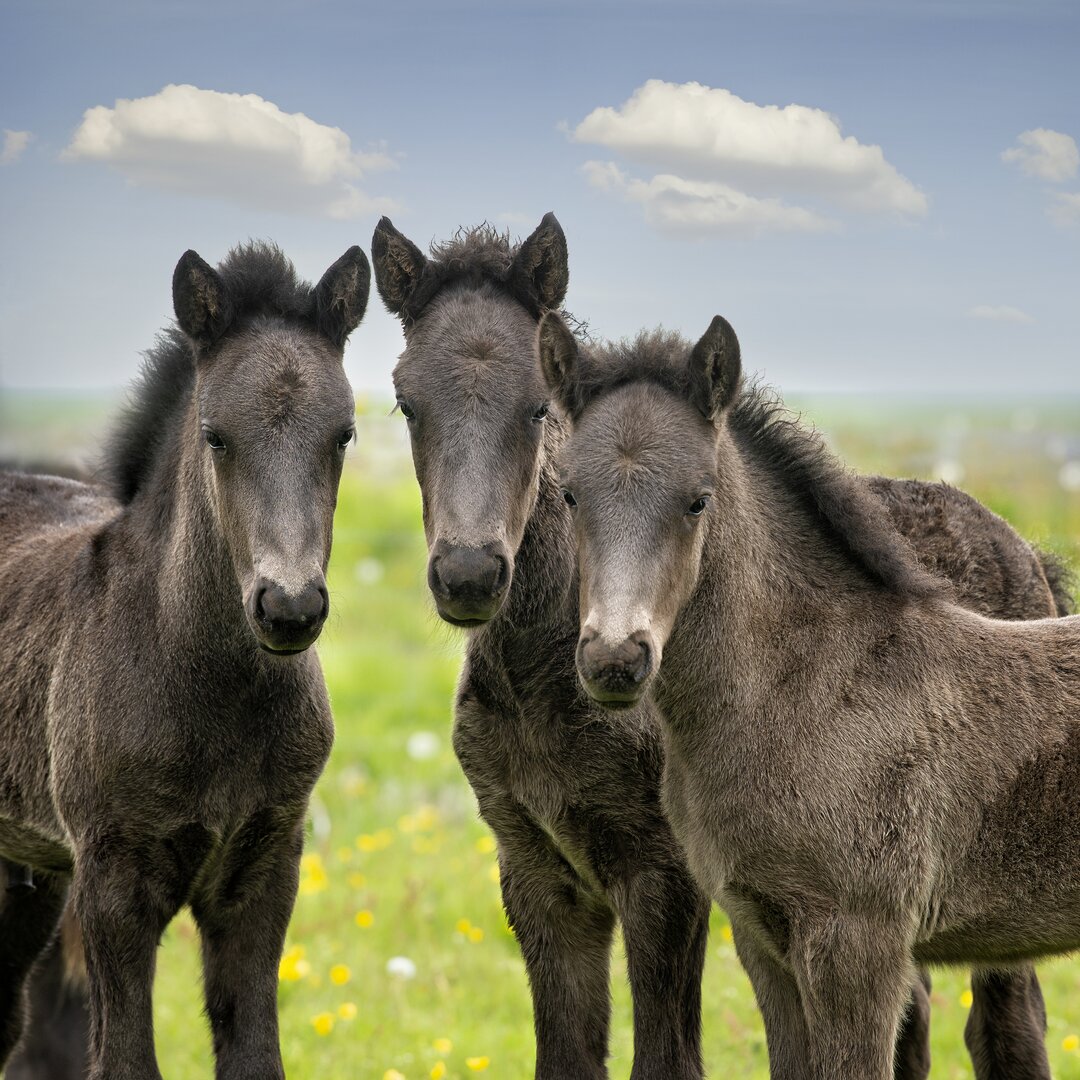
696 206
1000 313
1048 155
15 142
710 136
235 146
1065 209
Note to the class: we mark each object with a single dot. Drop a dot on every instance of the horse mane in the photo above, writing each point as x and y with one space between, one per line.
261 282
775 438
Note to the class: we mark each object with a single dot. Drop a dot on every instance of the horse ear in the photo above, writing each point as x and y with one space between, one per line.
341 296
558 350
540 272
715 369
399 266
201 302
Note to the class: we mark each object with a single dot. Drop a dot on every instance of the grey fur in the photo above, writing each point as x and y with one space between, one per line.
866 775
161 725
571 795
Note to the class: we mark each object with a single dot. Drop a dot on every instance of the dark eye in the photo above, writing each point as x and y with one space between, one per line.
214 440
697 506
346 437
541 412
569 497
405 410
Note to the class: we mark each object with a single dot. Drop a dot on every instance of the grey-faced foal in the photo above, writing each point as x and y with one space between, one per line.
571 794
866 776
162 721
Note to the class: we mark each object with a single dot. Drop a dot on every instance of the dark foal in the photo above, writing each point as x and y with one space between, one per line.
162 720
867 776
572 797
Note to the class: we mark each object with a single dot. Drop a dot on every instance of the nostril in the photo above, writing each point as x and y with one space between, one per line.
257 606
644 663
502 574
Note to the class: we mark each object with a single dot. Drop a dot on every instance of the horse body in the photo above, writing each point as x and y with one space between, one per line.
864 774
163 722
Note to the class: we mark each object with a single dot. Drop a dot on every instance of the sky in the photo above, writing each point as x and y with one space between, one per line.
881 197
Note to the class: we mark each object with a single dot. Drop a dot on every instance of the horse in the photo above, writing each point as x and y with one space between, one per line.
572 798
866 775
162 716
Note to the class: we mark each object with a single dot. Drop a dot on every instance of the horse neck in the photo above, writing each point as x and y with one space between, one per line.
174 519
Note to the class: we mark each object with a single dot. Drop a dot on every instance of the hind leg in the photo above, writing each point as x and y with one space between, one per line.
28 919
1006 1028
55 1043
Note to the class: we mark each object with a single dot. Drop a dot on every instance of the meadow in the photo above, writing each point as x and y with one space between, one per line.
400 965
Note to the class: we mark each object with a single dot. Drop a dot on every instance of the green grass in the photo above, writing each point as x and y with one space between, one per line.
396 835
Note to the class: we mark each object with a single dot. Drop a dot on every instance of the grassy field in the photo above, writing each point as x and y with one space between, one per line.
400 964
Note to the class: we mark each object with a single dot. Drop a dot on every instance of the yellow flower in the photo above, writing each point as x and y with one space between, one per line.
438 1070
493 873
476 935
364 919
726 934
375 841
340 974
485 845
966 998
1070 1044
463 926
426 818
443 1046
356 880
393 1074
478 1064
313 876
323 1023
293 966
347 1010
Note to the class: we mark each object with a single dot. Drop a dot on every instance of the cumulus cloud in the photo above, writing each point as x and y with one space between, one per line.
234 146
1065 209
1048 155
693 206
15 142
729 151
1000 313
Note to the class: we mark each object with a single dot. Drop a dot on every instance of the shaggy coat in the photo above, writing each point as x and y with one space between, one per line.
866 775
161 724
571 793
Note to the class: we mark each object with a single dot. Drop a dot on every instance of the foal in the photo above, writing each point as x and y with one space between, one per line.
865 775
573 798
162 721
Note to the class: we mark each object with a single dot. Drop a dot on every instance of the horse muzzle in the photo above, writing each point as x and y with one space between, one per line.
469 584
615 676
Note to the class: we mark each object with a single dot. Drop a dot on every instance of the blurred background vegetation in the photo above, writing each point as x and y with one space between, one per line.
400 964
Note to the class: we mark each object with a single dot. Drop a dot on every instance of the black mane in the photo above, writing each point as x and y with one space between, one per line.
774 437
261 282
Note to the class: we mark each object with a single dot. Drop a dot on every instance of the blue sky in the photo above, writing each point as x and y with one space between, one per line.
864 234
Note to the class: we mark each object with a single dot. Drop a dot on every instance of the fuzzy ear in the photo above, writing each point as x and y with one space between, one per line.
558 350
341 296
399 266
201 302
715 369
540 272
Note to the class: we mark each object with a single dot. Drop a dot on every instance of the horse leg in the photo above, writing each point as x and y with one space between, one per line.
29 914
781 1008
564 930
913 1042
1006 1028
854 975
56 1039
126 890
243 914
665 920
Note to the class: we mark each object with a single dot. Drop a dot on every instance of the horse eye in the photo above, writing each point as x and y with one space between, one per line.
214 440
697 506
347 437
569 497
541 412
405 410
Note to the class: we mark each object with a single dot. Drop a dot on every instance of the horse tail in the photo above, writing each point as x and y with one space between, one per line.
1061 579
